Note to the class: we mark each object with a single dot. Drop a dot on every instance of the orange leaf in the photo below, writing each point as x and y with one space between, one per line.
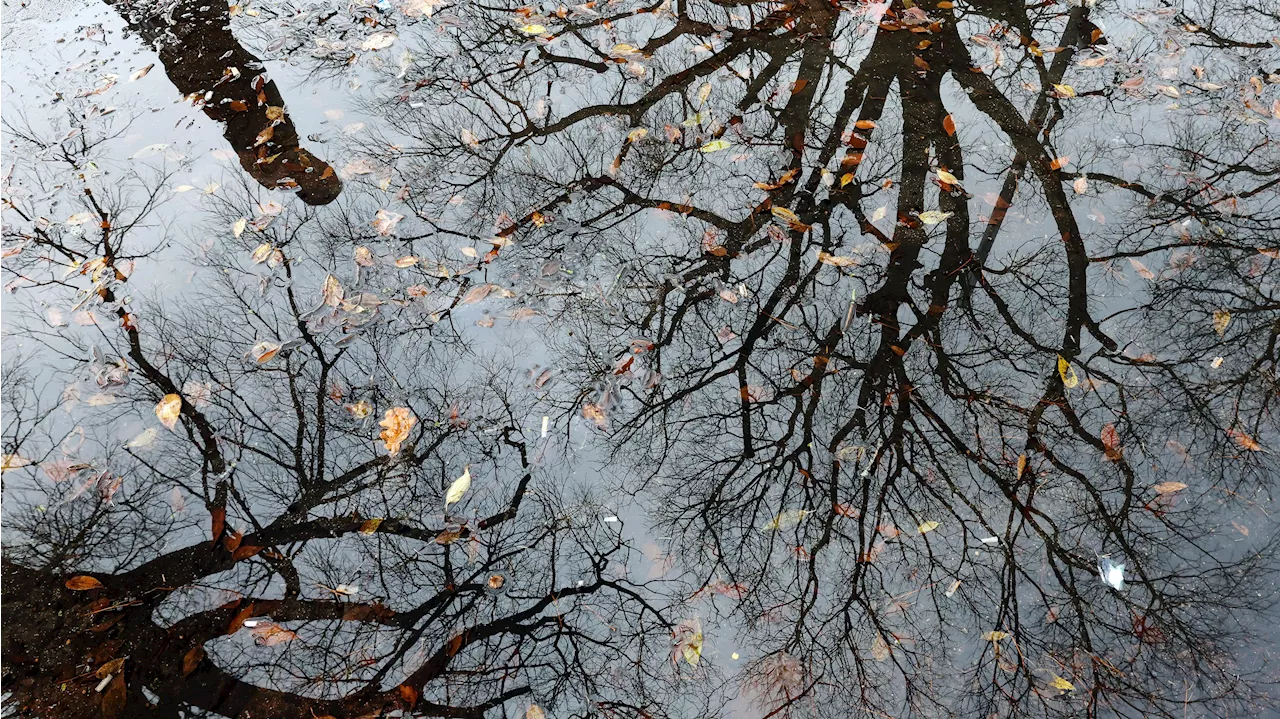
1244 440
244 551
83 583
948 123
396 426
219 520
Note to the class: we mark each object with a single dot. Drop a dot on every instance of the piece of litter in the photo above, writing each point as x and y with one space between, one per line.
611 518
1112 573
103 684
990 541
952 589
546 422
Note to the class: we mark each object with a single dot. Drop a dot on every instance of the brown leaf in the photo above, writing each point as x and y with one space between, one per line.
232 540
1169 487
244 551
114 699
83 583
191 660
237 621
269 634
218 517
408 694
1241 528
1244 440
111 667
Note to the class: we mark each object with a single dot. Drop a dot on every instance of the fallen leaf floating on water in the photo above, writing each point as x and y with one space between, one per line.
269 634
994 636
264 352
395 428
715 146
169 409
880 649
948 178
261 254
951 590
146 438
1141 269
928 527
13 461
79 218
835 260
1065 90
83 583
784 519
459 487
331 291
1060 683
141 73
1244 440
1169 487
933 217
385 221
534 712
1221 318
533 29
949 125
370 526
378 41
689 640
237 227
1067 373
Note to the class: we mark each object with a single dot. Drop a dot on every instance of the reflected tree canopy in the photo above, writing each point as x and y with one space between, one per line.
649 359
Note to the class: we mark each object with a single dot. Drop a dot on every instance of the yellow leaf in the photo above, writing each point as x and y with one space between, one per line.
169 409
1067 373
1060 683
715 146
636 134
692 649
846 178
1221 318
274 112
784 519
1065 90
948 178
994 636
237 227
784 214
533 29
370 526
534 712
459 487
261 254
928 527
13 461
704 92
933 217
396 426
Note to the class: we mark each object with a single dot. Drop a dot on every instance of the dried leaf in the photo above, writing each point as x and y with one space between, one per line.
784 519
1221 318
933 217
191 660
715 146
949 124
370 526
928 527
1060 683
459 487
1141 269
1244 440
83 583
1169 487
396 426
994 636
169 409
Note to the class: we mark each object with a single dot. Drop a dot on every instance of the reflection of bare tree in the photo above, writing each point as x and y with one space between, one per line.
206 63
842 401
887 448
268 554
